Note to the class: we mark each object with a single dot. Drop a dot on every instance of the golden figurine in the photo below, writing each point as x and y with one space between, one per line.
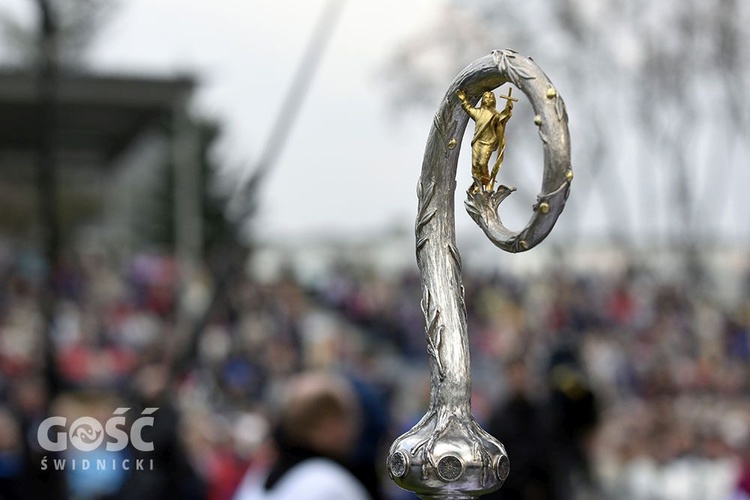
489 136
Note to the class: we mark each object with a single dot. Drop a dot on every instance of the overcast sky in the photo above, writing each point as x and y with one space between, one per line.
347 165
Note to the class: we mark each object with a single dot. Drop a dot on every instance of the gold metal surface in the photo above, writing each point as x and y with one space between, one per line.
489 136
544 207
551 93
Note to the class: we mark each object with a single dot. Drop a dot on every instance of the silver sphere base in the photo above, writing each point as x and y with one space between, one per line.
447 455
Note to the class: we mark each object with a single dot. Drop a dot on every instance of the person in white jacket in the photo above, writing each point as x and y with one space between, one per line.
316 430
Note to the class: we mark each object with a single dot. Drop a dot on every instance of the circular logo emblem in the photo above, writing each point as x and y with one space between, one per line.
86 434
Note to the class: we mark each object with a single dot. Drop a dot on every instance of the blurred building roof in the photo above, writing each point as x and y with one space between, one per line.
97 117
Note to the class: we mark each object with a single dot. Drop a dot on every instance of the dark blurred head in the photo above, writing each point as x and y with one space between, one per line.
518 376
10 432
320 413
30 395
151 383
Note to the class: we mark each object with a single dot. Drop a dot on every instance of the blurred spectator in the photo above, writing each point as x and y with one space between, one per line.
366 457
172 476
243 449
89 482
13 483
519 423
318 425
742 491
30 400
574 416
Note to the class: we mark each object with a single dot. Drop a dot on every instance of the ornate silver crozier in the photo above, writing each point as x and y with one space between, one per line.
447 455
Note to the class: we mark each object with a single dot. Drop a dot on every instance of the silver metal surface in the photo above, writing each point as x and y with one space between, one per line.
447 455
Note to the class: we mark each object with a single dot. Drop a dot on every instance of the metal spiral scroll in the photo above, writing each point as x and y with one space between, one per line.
447 455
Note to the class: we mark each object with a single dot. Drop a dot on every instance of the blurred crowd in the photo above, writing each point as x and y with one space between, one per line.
624 386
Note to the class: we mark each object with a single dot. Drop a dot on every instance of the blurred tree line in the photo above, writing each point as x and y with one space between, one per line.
77 24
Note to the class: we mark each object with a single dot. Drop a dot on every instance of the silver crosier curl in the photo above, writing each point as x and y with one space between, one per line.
447 455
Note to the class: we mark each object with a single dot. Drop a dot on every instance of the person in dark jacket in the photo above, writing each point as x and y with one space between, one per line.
518 422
